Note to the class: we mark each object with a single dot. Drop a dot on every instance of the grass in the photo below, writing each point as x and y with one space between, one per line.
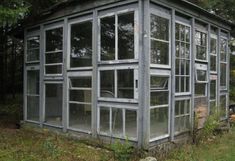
28 145
220 148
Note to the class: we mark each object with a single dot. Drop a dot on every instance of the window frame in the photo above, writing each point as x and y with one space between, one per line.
115 13
71 22
44 104
203 67
168 17
115 98
32 68
190 60
78 75
28 37
125 107
213 77
183 115
161 73
57 26
225 63
198 29
214 36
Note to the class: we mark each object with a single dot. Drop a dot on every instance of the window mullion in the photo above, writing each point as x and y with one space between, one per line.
116 37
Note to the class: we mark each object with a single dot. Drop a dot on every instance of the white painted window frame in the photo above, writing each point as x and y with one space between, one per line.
123 108
115 69
162 73
32 68
115 13
71 22
56 26
190 60
224 62
214 36
168 17
78 75
198 29
28 37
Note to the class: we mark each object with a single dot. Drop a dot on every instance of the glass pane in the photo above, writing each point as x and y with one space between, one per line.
177 31
33 42
213 89
131 123
159 52
125 85
107 84
182 33
201 53
200 89
159 27
126 36
182 111
187 34
223 52
54 58
33 55
117 122
213 46
177 49
54 39
33 82
53 104
33 108
201 75
54 69
80 116
159 98
104 119
80 95
159 83
81 82
212 107
107 38
213 63
223 74
158 122
223 106
81 44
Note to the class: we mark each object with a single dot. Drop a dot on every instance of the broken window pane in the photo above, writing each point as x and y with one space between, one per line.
126 36
81 44
53 103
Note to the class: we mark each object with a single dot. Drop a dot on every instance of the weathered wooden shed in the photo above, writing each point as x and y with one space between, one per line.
136 69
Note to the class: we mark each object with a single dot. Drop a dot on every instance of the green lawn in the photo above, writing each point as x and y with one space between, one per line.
29 145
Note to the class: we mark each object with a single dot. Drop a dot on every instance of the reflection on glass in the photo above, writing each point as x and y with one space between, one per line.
33 49
125 83
159 52
126 36
81 44
107 84
107 38
54 39
159 27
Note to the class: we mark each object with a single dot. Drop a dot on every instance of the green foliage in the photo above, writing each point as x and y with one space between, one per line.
11 11
51 148
122 150
208 131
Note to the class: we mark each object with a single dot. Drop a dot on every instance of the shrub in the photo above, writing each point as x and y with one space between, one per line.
122 150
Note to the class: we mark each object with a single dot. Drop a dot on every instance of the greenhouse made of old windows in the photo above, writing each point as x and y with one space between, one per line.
136 69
